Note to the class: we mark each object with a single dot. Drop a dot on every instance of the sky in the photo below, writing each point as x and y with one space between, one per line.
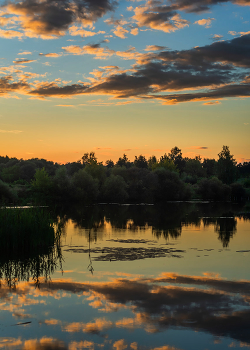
129 76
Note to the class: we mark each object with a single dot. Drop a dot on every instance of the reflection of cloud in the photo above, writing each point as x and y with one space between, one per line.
96 327
120 345
213 304
44 344
9 343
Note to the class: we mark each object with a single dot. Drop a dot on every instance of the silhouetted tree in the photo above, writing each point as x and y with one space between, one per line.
109 163
238 192
213 189
176 156
123 161
151 161
194 167
141 162
226 166
210 166
115 189
85 188
89 158
42 182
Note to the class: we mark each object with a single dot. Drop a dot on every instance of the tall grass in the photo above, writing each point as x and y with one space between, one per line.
29 244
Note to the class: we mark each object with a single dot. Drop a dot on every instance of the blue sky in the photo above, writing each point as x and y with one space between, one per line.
138 77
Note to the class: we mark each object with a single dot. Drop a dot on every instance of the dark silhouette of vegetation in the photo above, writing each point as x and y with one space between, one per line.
171 177
30 245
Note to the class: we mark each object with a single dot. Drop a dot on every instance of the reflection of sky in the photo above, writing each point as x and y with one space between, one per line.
163 303
146 311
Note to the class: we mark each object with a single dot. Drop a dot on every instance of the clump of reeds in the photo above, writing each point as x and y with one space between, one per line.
29 244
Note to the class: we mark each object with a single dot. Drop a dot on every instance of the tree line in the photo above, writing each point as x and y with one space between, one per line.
171 177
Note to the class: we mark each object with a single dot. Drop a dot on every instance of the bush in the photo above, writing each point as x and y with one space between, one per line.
6 194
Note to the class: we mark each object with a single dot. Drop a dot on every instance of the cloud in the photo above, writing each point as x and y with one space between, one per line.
217 37
202 147
74 30
234 90
235 51
11 131
52 54
23 61
51 18
205 73
94 49
55 90
72 106
205 22
154 48
134 31
6 86
158 17
212 103
120 32
198 6
25 53
10 34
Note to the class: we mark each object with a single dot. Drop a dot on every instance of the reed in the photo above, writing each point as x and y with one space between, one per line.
29 244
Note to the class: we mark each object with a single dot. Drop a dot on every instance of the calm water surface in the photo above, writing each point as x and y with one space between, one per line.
133 277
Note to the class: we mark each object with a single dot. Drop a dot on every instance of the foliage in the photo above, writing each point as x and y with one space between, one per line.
213 189
85 188
145 179
123 161
141 162
238 192
61 182
42 181
115 189
10 174
89 158
227 171
170 186
6 194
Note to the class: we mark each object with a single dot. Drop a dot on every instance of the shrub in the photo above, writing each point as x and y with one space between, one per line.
6 194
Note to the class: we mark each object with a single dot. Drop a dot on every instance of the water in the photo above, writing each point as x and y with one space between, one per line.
133 277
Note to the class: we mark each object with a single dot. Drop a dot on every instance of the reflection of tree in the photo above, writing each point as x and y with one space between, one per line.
30 246
90 266
165 220
226 228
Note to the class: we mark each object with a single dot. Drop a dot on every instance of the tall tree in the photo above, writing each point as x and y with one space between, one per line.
227 171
